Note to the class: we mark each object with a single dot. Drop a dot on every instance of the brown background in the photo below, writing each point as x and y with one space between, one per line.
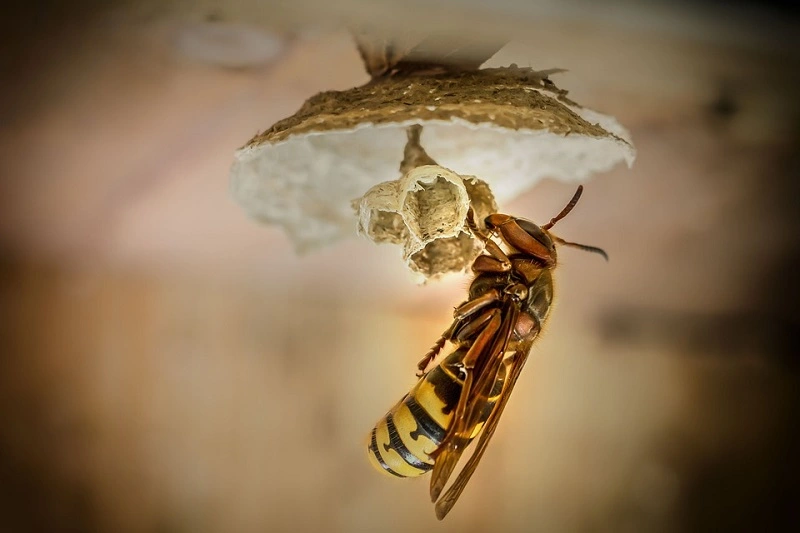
168 365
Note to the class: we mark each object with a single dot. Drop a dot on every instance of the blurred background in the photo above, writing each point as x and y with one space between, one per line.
167 364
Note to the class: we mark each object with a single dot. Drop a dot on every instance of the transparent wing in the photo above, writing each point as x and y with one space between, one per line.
475 396
450 497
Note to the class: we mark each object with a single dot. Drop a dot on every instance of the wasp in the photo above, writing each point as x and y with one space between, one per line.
464 394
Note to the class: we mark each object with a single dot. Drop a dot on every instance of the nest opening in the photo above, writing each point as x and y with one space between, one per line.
426 208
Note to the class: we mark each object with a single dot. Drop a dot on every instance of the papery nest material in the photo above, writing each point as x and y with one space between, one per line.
425 211
510 126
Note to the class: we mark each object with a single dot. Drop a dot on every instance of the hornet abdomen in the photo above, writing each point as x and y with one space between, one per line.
401 442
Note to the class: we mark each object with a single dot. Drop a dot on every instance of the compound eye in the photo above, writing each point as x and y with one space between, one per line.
536 232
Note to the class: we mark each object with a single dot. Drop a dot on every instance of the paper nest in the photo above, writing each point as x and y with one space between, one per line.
425 212
510 126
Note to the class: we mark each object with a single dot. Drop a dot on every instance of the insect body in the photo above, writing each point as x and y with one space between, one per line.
401 443
464 395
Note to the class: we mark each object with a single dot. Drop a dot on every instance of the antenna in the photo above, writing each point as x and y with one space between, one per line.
583 247
564 212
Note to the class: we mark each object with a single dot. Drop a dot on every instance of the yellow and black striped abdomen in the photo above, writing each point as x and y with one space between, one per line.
401 442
